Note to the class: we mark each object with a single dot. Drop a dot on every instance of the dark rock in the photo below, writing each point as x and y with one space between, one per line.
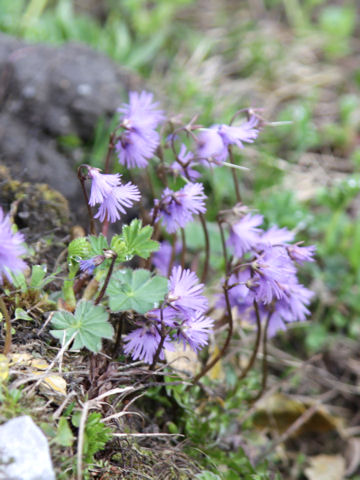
47 92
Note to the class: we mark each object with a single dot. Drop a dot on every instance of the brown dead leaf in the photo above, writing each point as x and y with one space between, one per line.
326 467
279 411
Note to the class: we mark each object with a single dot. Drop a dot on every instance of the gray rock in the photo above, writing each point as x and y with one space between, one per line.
24 451
47 92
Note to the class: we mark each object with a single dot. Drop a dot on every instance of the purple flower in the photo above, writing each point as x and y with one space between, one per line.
184 164
235 135
142 343
141 112
210 145
102 185
194 331
213 142
177 208
119 198
185 291
240 296
276 236
244 235
274 272
162 258
140 118
88 266
291 308
188 326
135 148
301 254
11 249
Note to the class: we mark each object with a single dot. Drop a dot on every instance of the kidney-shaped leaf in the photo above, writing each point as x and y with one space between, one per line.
89 325
136 290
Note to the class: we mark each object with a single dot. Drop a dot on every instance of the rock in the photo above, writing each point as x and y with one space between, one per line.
48 92
24 451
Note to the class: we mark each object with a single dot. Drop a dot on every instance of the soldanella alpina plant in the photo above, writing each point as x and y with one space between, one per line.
145 278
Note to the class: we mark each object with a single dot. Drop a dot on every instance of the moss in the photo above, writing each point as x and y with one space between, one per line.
159 460
34 205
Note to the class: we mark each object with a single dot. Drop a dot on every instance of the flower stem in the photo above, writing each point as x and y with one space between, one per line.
107 279
163 334
257 343
173 254
214 361
183 248
264 361
207 248
82 179
5 312
234 176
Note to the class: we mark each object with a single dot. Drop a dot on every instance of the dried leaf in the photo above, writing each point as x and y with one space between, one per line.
56 384
326 467
53 382
352 455
22 359
185 361
4 367
279 411
217 372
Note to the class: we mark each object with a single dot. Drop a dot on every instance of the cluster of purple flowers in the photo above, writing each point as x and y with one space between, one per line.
268 274
181 319
12 248
113 196
139 141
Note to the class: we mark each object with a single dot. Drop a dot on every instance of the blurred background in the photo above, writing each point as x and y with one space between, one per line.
66 65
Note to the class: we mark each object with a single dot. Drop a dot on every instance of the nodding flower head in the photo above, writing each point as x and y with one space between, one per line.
114 204
11 249
139 118
101 185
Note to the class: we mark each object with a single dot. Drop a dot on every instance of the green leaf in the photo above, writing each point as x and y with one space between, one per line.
88 325
79 247
21 314
98 244
119 247
138 239
38 273
206 475
136 290
18 280
64 435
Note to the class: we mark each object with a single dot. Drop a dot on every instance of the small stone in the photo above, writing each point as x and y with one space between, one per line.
24 451
84 89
